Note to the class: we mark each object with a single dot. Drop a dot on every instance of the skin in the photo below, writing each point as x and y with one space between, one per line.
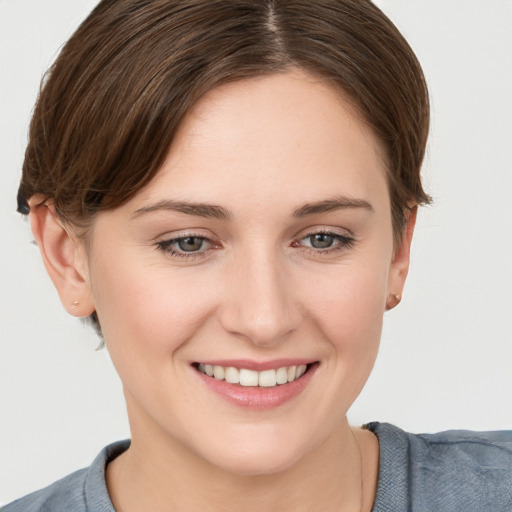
259 290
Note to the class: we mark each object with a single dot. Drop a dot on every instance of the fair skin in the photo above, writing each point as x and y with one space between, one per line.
297 263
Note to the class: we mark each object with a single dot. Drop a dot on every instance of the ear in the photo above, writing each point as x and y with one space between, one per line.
400 263
63 256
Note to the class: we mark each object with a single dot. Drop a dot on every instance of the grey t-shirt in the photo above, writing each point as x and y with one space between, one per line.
451 471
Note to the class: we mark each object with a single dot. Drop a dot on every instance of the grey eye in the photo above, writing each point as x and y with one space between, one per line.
190 243
321 240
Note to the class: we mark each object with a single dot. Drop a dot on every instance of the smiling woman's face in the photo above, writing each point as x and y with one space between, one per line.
263 243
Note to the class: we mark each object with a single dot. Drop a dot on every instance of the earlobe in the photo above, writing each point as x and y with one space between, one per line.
400 264
63 258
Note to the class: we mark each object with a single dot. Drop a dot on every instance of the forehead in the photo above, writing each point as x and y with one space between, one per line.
280 136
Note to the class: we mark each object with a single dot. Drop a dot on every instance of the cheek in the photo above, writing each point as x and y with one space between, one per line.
146 308
349 310
349 304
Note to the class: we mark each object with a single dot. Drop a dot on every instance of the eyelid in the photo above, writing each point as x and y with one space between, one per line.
326 230
165 244
186 233
345 240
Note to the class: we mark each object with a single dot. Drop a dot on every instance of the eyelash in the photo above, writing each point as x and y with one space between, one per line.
341 242
166 246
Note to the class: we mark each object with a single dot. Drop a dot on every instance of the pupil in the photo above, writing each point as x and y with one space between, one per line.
190 244
321 241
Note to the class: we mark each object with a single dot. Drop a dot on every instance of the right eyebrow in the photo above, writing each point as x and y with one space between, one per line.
205 210
335 203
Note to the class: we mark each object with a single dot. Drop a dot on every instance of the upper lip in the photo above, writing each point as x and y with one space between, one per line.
258 366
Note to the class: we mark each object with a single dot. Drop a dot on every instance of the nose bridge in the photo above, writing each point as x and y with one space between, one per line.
261 306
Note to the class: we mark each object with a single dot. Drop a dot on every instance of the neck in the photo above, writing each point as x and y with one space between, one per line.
166 475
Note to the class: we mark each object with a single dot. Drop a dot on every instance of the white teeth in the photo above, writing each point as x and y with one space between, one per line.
281 376
301 370
248 377
218 372
244 377
267 378
232 375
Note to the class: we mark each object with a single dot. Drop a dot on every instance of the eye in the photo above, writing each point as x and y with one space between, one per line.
189 246
190 243
321 240
325 242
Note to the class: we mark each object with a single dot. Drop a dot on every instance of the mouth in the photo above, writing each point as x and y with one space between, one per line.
245 377
257 386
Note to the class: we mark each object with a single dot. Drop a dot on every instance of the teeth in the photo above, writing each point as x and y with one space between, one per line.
218 372
281 376
267 378
232 375
244 377
248 377
301 370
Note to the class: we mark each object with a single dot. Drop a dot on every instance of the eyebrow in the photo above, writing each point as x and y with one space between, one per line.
212 211
209 211
335 203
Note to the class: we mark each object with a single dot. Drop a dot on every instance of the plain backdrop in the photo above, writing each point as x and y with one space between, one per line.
446 352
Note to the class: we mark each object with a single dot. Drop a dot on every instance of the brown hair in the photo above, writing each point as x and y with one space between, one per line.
113 100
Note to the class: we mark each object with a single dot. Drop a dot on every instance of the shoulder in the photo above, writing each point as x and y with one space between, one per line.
475 451
453 470
84 490
65 494
467 469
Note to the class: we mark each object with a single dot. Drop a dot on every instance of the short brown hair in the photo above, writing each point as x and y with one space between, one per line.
112 102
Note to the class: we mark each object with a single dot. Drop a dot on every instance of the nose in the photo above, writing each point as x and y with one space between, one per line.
259 304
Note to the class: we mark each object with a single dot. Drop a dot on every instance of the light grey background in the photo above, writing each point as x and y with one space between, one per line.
446 352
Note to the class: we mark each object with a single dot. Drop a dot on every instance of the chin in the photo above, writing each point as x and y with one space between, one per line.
248 463
257 454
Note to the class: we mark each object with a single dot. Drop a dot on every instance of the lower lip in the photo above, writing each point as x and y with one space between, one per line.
258 398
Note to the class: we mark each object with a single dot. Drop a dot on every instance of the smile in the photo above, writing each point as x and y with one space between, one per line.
257 385
245 377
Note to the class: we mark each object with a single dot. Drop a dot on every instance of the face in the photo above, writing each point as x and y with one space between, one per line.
264 243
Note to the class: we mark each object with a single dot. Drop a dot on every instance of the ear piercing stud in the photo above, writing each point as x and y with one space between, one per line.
75 304
393 300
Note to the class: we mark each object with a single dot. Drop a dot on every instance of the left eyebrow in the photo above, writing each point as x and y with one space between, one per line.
327 205
197 209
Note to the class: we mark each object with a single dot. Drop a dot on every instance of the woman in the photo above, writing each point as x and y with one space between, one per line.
228 190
